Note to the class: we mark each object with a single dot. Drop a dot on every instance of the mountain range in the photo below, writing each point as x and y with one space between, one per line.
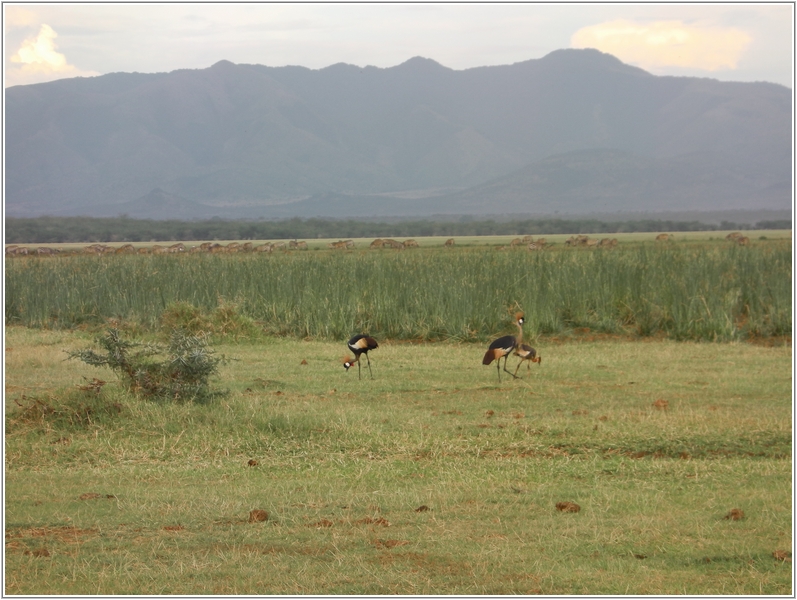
575 132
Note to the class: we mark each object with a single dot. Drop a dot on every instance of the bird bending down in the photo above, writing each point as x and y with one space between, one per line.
526 352
503 346
360 344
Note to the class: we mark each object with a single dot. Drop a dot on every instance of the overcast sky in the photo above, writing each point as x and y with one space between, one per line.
730 42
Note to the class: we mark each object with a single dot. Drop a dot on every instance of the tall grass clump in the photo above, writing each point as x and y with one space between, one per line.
699 292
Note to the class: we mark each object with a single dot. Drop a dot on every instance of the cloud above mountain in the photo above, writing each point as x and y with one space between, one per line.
37 59
666 44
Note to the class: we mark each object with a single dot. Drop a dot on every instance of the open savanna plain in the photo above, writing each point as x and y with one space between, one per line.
649 453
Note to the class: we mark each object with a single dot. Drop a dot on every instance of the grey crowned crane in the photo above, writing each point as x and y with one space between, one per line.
503 346
526 353
360 344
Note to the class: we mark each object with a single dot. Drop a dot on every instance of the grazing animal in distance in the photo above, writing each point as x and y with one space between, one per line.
503 346
391 243
360 344
526 353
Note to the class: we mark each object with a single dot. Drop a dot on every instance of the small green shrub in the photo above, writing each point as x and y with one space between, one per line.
178 371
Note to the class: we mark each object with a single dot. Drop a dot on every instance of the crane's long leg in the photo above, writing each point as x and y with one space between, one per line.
506 356
518 366
358 368
498 368
369 365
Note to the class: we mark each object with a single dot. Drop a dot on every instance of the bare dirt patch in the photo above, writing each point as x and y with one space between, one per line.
257 515
286 549
735 514
783 555
95 496
388 544
570 507
24 539
322 523
371 521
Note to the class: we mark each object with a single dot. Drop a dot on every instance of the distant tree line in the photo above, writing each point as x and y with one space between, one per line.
50 230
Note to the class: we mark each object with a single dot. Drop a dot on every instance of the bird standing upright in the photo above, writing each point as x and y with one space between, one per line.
360 344
503 346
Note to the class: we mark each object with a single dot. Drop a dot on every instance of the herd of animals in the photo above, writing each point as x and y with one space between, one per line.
234 247
501 348
214 247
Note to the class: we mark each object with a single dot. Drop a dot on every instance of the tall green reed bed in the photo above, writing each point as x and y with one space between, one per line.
709 291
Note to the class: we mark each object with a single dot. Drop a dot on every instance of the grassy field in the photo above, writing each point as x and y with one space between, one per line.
661 412
430 478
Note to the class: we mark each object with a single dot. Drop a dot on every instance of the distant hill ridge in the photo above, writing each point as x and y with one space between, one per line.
574 131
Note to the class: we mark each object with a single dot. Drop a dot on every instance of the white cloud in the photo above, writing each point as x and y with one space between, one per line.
39 60
39 53
664 44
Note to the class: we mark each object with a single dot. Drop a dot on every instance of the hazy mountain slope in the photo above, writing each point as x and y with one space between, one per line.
214 135
613 180
605 181
255 140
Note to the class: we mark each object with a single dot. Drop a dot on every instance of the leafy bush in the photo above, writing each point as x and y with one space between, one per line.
178 371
